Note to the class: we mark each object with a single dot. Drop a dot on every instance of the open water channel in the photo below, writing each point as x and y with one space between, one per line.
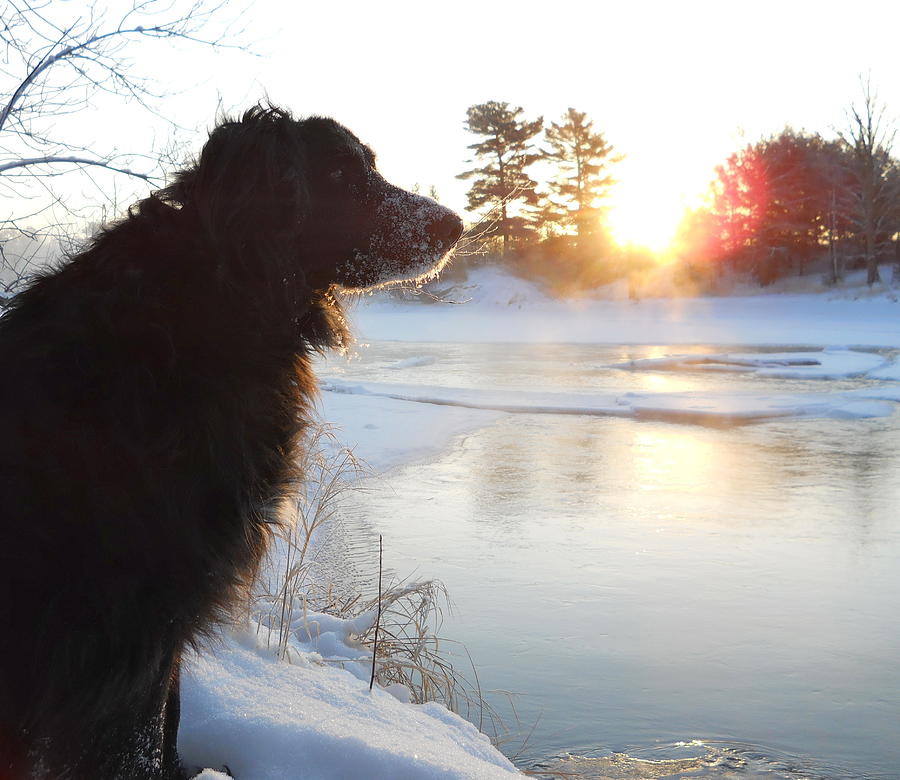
668 591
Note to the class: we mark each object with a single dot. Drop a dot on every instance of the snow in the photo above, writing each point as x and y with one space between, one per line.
315 717
806 320
494 307
490 285
305 720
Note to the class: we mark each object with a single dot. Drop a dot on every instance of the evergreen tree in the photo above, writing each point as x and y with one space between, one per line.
583 157
502 182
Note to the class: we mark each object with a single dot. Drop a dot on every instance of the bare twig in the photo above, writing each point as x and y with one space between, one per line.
58 59
378 616
24 163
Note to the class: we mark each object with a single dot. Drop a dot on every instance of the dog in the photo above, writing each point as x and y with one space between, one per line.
154 393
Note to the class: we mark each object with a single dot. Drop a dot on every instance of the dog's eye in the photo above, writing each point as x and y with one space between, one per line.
346 177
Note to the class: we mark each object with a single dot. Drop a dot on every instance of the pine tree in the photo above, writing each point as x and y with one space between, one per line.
583 157
502 181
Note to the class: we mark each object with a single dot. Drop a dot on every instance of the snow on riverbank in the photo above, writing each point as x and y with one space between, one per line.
494 307
762 320
277 721
315 718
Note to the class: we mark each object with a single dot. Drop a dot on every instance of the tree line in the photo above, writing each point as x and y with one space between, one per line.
789 203
796 198
786 204
523 221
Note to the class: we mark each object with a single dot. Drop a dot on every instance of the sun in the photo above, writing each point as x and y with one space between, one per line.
647 204
641 225
646 217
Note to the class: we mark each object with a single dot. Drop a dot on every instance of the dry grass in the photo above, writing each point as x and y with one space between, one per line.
286 580
411 655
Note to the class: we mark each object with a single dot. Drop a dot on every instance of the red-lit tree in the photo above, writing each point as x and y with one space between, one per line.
774 203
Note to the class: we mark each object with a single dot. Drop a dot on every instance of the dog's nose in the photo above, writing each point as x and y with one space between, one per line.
447 229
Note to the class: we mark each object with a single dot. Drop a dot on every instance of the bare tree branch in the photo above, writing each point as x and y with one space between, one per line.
59 59
24 163
877 187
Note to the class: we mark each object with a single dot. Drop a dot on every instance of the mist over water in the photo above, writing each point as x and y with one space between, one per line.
638 585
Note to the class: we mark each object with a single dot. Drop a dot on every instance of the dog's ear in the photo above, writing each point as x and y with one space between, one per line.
250 183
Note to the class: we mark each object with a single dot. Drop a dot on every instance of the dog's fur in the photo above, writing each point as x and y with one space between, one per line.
153 393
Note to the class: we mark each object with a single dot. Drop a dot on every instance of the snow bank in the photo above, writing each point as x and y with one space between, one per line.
315 717
306 720
762 320
493 306
487 285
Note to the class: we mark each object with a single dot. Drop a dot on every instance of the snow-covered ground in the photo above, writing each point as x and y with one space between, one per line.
279 721
491 306
313 719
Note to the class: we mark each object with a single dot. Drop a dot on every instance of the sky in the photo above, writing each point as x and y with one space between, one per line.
674 86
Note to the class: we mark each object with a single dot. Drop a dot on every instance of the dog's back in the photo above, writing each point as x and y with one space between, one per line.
132 462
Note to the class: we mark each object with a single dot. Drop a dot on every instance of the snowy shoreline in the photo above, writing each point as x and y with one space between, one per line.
763 321
492 306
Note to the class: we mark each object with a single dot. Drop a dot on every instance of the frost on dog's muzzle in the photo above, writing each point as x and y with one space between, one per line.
411 239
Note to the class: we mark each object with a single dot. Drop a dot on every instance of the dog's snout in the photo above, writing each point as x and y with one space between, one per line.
447 229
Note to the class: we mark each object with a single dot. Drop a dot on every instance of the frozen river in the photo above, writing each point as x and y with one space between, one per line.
651 553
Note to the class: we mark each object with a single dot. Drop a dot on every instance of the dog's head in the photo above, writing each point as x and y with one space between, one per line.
311 185
372 232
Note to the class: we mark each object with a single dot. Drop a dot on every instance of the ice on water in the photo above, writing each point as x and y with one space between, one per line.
697 407
829 363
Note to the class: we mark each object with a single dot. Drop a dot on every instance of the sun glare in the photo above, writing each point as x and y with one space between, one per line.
648 203
645 219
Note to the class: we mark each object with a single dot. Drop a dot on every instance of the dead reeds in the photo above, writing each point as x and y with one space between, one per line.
296 601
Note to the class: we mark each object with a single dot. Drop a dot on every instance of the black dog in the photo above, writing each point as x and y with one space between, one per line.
152 397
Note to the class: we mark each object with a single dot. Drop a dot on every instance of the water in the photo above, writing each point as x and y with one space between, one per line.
727 596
